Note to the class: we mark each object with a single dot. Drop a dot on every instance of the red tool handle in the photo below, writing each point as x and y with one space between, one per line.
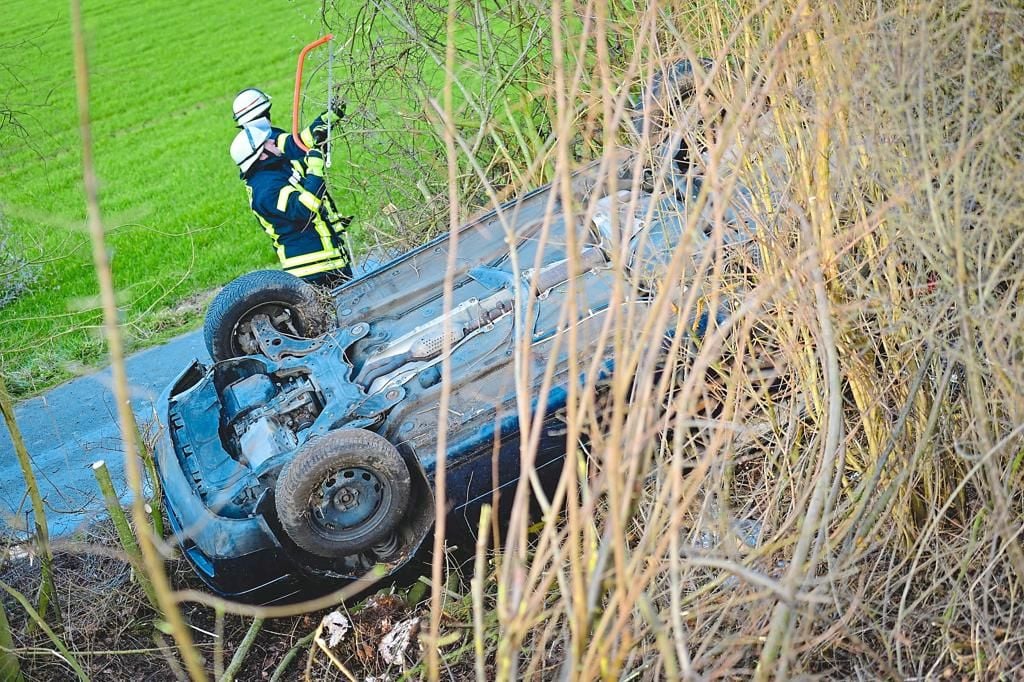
298 88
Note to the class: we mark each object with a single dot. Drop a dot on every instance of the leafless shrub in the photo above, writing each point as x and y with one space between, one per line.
17 273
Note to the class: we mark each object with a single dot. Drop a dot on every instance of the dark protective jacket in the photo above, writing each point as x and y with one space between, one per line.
288 201
313 135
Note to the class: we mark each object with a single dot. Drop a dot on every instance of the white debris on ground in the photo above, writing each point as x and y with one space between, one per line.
336 625
393 645
741 534
745 531
16 552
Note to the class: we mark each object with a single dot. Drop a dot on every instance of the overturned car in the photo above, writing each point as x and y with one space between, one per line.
307 451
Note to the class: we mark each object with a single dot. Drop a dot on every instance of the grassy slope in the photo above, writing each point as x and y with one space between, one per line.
163 77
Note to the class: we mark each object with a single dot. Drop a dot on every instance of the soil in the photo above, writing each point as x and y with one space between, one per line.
106 622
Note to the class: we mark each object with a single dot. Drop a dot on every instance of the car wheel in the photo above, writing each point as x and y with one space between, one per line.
343 493
664 101
293 306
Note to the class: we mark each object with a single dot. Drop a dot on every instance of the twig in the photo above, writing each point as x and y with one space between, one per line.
243 650
10 669
477 587
322 645
290 656
65 654
47 590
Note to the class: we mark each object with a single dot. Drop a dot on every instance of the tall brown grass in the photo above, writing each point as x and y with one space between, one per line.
831 483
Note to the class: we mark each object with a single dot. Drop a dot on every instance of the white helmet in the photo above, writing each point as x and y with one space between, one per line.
247 145
251 104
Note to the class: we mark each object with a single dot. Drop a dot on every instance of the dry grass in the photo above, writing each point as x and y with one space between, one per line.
835 488
828 483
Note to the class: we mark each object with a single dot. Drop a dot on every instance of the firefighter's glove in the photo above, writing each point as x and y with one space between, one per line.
337 108
315 162
319 129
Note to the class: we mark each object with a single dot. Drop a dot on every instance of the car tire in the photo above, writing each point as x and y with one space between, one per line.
343 493
294 306
663 101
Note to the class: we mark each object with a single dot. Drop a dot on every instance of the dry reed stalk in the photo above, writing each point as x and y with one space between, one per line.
10 668
125 535
47 589
440 467
152 561
829 426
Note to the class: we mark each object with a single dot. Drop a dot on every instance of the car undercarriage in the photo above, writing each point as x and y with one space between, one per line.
307 451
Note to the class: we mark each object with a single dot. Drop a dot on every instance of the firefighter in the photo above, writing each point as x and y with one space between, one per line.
252 107
288 200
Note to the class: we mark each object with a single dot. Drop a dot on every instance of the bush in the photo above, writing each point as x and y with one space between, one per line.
17 273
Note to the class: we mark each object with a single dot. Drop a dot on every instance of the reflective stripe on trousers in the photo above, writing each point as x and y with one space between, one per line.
317 268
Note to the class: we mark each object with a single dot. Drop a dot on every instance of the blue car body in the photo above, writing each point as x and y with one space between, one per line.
231 427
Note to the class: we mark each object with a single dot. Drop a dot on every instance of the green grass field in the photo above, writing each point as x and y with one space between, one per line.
178 225
163 76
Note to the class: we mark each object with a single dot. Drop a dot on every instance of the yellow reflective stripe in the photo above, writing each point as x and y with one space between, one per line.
282 197
332 210
282 140
307 137
321 229
307 258
308 200
334 264
325 232
297 166
269 229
